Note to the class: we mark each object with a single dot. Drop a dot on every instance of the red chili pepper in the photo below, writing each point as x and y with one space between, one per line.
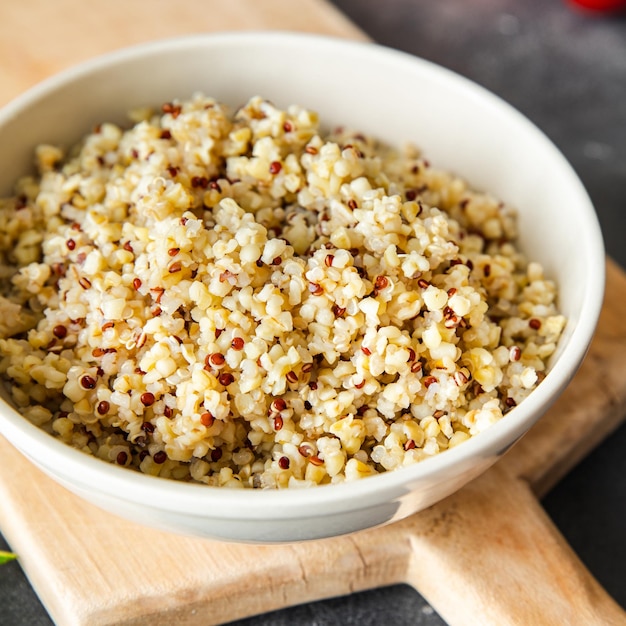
601 5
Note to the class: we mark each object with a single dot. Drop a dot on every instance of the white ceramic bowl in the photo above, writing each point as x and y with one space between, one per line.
460 126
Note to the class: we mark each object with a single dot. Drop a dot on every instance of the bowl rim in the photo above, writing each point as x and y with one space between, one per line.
199 499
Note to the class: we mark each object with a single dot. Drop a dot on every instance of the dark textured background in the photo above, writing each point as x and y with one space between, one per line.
566 70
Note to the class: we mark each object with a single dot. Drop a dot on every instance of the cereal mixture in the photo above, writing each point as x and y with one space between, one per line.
240 299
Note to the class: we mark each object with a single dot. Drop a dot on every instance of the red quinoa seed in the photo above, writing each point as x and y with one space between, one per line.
173 109
316 289
207 419
416 367
275 167
305 450
121 458
201 182
460 378
147 398
428 381
278 405
59 331
226 379
87 382
381 282
216 359
237 343
159 457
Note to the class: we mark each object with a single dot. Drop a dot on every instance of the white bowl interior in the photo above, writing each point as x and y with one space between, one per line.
459 126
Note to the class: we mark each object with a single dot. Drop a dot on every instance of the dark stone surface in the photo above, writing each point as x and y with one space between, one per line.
562 67
566 70
19 605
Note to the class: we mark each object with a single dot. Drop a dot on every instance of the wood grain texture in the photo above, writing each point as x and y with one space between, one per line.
489 555
486 555
39 38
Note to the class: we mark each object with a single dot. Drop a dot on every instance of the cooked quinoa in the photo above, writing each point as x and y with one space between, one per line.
241 299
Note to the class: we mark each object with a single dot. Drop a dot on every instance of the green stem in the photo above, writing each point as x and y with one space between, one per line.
5 557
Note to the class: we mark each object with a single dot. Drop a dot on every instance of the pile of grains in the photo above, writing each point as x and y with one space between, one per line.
238 299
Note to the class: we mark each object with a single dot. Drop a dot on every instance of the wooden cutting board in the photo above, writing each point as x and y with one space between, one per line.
486 555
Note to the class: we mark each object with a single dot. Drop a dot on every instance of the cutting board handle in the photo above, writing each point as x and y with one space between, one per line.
490 555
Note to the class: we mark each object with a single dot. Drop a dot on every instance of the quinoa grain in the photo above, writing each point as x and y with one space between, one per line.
244 296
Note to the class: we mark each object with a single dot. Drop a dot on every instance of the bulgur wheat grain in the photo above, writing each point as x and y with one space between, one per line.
239 299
